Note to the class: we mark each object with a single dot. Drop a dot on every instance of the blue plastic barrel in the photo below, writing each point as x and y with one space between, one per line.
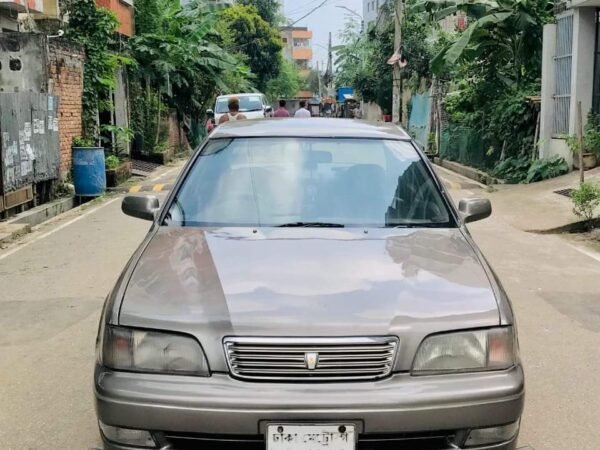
89 171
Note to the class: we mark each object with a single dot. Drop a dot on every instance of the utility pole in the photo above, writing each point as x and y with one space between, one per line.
320 85
397 94
329 71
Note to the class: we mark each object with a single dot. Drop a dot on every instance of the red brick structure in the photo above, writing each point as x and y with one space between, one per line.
65 80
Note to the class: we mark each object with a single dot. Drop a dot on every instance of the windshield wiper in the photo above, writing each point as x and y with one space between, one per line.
420 225
311 225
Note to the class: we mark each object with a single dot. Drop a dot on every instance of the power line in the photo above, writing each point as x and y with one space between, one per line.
306 15
302 8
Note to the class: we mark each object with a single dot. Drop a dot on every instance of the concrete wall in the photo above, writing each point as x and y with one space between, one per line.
584 30
65 63
121 104
20 56
582 74
548 85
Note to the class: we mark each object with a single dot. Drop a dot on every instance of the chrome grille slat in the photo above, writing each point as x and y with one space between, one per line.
283 359
295 349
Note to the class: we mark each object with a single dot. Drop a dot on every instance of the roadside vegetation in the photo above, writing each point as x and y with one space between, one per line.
486 75
180 59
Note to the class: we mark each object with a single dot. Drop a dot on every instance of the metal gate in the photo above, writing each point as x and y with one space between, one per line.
562 74
418 121
29 147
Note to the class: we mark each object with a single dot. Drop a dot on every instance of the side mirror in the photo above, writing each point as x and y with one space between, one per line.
474 209
269 109
141 207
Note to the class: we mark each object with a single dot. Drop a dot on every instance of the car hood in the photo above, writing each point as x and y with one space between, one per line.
308 282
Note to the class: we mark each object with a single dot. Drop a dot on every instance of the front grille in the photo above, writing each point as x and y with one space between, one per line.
409 441
311 359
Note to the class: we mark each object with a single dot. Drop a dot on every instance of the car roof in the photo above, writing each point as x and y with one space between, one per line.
307 128
248 94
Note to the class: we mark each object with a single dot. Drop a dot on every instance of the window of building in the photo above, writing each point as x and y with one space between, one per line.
284 40
563 60
301 43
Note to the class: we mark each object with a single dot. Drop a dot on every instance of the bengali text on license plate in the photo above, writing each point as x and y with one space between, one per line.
310 437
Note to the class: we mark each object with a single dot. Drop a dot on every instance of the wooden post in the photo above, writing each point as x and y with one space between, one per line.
580 142
536 137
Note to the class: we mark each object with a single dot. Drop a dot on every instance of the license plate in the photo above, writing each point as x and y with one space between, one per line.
310 437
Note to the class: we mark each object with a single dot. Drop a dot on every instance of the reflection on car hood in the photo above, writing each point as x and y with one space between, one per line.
308 282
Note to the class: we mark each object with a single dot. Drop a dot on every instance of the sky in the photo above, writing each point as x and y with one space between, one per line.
321 22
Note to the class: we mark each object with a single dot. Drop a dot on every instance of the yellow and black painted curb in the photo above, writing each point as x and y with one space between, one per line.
151 188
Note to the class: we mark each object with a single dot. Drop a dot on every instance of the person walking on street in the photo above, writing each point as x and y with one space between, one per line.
281 111
210 122
303 113
234 111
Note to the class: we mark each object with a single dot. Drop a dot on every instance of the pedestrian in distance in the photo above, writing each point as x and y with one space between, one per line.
281 111
302 113
234 111
210 122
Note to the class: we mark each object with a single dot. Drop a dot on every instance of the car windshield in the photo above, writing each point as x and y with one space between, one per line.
309 182
247 103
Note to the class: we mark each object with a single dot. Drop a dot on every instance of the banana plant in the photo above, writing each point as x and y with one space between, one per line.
511 28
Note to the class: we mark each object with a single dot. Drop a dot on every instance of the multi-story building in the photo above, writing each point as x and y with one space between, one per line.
124 12
10 10
570 74
297 47
371 10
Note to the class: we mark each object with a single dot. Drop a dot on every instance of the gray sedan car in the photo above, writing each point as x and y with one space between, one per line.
307 285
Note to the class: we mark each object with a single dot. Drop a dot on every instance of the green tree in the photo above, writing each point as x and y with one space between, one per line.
505 36
94 29
286 84
269 10
258 40
181 62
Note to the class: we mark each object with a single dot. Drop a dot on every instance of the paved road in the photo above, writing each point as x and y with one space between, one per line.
54 283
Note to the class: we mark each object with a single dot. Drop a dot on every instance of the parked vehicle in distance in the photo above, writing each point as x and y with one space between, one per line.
253 106
308 285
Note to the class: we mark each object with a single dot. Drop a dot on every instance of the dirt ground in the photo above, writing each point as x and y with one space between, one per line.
591 239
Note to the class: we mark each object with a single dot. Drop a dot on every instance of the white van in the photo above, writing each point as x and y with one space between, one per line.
253 106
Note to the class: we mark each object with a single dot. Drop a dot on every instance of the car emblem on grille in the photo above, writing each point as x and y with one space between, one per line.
311 360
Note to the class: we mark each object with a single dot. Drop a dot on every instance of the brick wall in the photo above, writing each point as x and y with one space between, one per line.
65 63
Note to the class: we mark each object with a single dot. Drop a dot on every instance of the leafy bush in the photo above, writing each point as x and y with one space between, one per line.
591 134
543 169
513 170
83 142
112 162
521 169
585 200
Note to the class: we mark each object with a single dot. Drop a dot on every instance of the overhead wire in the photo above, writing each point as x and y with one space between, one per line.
309 13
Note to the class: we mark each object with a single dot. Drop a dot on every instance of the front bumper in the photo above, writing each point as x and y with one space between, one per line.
222 406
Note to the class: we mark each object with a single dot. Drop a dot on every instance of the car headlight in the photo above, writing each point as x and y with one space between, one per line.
466 351
153 351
